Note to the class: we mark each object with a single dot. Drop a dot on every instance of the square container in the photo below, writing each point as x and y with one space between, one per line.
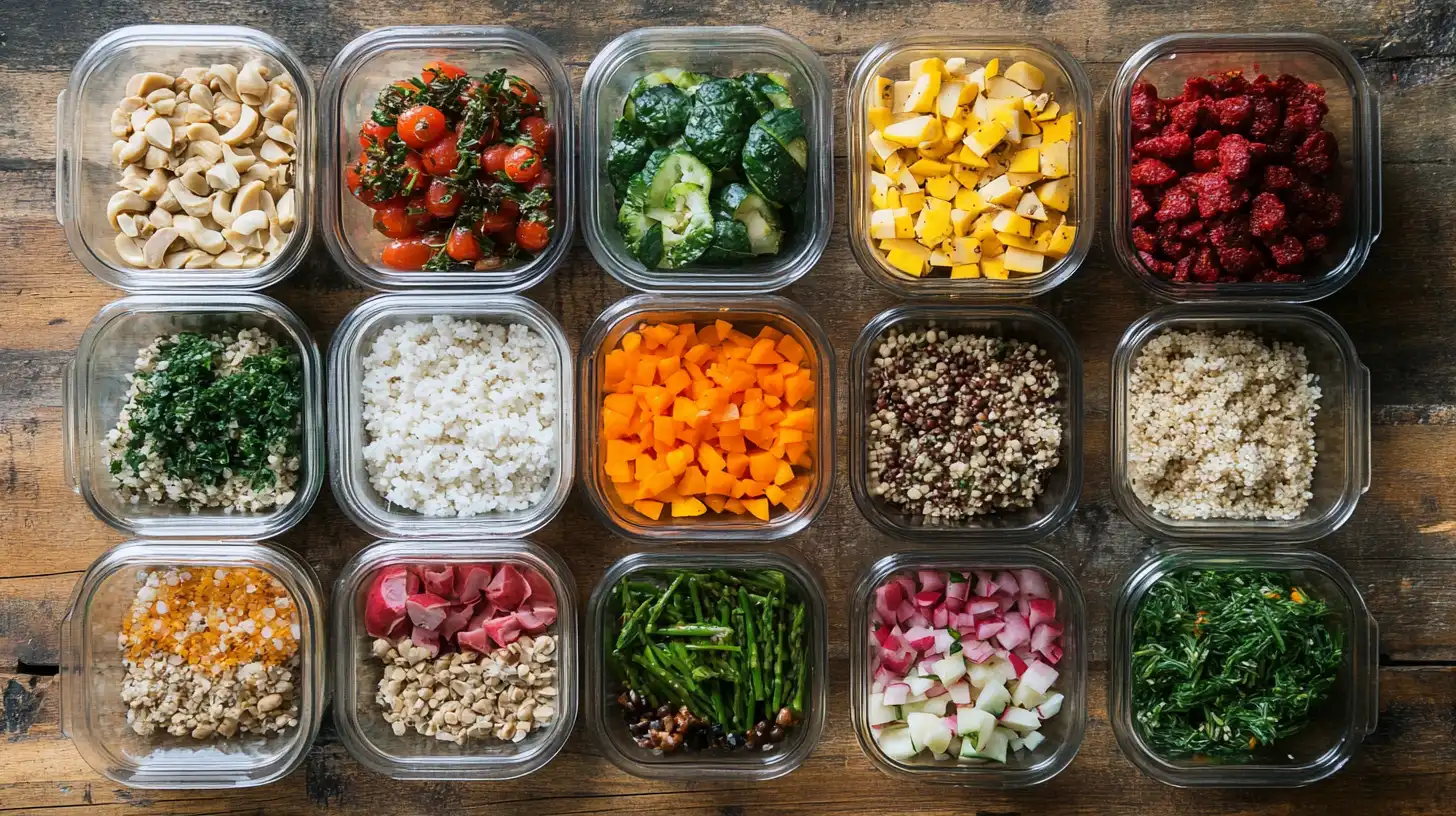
348 477
749 313
1338 725
86 175
356 672
95 387
604 717
94 716
368 65
1064 485
1068 83
1342 427
1354 119
1063 737
723 51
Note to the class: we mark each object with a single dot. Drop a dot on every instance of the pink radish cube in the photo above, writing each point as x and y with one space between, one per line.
960 692
1040 610
940 617
1034 583
1039 676
896 694
989 628
978 651
1007 583
928 598
1016 631
931 580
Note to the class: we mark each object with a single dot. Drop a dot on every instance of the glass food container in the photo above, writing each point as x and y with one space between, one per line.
94 716
1339 724
95 387
1064 484
1342 427
86 174
347 436
1354 119
356 673
1065 731
1068 83
723 51
604 715
749 314
350 88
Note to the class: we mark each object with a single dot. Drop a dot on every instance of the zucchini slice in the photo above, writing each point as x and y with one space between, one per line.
674 169
776 155
767 91
757 215
718 124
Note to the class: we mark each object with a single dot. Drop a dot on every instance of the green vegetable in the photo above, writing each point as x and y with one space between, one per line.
627 154
766 91
718 124
730 243
776 154
662 111
759 218
1227 661
674 169
632 220
687 224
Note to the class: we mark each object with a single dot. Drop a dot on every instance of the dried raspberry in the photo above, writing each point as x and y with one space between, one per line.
1267 217
1304 115
1144 240
1204 268
1278 177
1151 173
1140 207
1234 112
1197 87
1217 194
1234 156
1285 141
1287 251
1305 196
1316 244
1266 118
1185 115
1175 249
1263 87
1157 267
1239 260
1205 161
1330 211
1148 114
1167 146
1318 153
1230 83
1195 231
1177 205
1290 86
1183 270
1208 140
1144 88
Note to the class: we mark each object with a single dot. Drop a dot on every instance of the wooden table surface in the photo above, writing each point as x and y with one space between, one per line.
1399 310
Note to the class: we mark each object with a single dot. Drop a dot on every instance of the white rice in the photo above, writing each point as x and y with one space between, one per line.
460 416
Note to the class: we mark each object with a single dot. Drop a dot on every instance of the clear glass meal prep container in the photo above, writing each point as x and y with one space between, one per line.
754 312
723 51
1342 427
347 436
1064 732
1070 88
1064 484
604 717
1354 119
1338 725
356 672
93 715
374 60
95 386
86 175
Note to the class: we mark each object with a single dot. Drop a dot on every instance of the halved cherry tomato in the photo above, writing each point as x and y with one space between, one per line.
532 236
407 254
373 133
545 179
522 90
441 157
510 207
540 132
441 201
440 68
495 223
522 164
463 245
401 220
421 125
493 158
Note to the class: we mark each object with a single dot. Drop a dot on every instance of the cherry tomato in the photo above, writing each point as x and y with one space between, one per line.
522 90
495 223
441 157
540 132
471 89
373 133
415 176
493 158
546 179
510 207
532 236
401 220
407 254
440 68
441 201
522 164
354 180
421 125
463 245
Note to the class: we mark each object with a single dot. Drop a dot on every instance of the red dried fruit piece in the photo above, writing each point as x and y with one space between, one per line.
1290 86
1144 240
1148 114
1166 146
1266 118
1287 251
1174 248
1231 83
1316 244
1185 115
1285 141
1157 267
1216 194
1239 260
1177 205
1267 217
1204 268
1330 211
1208 140
1318 153
1140 207
1234 156
1234 112
1196 87
1183 270
1304 115
1205 161
1278 177
1151 173
1195 231
1305 196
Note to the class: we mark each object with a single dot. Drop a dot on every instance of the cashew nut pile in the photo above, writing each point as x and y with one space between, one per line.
206 160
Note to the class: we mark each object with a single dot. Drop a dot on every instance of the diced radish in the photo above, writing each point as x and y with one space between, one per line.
896 694
987 629
927 599
1032 740
984 674
904 612
940 617
1045 636
907 586
943 641
884 636
1053 654
426 610
954 606
983 606
471 580
978 651
993 699
897 661
928 731
884 678
1017 663
936 690
965 621
1005 602
1002 664
985 584
385 611
1026 696
920 638
1050 706
1040 610
1016 631
919 685
926 664
1019 719
439 580
959 590
427 639
887 601
960 693
950 668
1039 676
878 713
895 741
1033 583
931 580
1007 583
507 588
918 619
937 705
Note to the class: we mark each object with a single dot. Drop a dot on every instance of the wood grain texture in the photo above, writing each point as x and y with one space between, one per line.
1398 547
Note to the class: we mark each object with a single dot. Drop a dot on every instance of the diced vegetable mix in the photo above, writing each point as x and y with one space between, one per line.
1225 662
699 418
964 665
707 169
710 658
457 170
970 171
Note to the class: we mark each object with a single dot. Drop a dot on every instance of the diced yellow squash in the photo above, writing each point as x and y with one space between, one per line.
906 181
904 223
880 117
955 66
1049 112
1026 160
967 157
929 65
1055 160
938 258
951 133
1031 207
881 146
894 164
1026 75
913 201
1058 131
1034 140
960 221
981 228
906 245
1024 261
900 94
967 176
1002 88
966 271
942 187
892 198
882 224
1009 240
994 268
1009 221
1001 192
984 139
884 92
1061 242
913 265
949 98
1028 126
1037 103
934 223
965 250
1023 179
912 132
880 184
991 247
930 167
971 201
1007 114
937 151
922 96
977 77
993 68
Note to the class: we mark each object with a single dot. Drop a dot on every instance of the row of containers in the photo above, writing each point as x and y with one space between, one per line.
328 126
95 717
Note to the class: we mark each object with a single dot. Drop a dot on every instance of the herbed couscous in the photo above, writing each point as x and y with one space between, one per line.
1221 426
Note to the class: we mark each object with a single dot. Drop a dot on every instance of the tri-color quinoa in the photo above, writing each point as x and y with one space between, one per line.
961 425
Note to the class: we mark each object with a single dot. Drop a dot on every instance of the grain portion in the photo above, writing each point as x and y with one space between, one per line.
1221 426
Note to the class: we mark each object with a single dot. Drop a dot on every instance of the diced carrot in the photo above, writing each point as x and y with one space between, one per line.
615 425
730 427
649 508
771 416
763 466
708 336
739 487
623 404
675 346
678 459
794 450
738 338
663 429
751 487
770 333
659 482
790 435
646 466
692 482
697 354
790 349
763 353
716 503
752 422
618 471
628 492
774 493
646 372
798 387
668 495
772 384
719 483
772 401
668 366
631 341
678 382
723 329
801 418
758 507
660 334
615 365
785 474
683 508
794 493
737 464
733 444
710 458
684 410
735 506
